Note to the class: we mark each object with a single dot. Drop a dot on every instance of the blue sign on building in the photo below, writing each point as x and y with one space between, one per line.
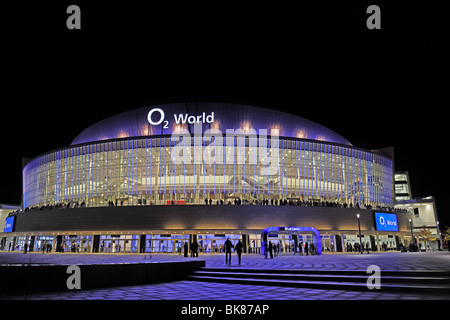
386 221
9 224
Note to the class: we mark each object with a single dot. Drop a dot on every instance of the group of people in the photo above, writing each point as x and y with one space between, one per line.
238 248
74 247
46 247
271 250
228 245
357 247
303 203
112 204
237 201
194 249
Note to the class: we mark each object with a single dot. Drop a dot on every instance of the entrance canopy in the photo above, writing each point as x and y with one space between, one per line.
266 231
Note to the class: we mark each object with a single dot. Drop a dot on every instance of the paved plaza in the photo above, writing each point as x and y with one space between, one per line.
194 290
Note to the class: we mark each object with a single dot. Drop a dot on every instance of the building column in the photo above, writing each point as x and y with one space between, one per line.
295 239
31 247
372 243
397 243
244 243
342 244
2 243
13 246
141 244
58 244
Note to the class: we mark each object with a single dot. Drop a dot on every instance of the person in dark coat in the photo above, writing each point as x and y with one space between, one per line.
271 249
238 249
195 249
185 249
306 248
228 246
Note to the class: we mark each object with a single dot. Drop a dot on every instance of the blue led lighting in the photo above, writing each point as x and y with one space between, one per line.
318 242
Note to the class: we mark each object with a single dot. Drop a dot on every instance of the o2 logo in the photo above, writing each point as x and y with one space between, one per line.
386 221
161 118
157 113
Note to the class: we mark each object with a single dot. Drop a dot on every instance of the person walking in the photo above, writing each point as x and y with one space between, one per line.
271 249
306 248
228 246
185 249
238 249
196 249
265 250
300 248
192 249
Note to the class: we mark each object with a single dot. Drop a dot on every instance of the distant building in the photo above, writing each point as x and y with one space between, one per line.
423 212
402 186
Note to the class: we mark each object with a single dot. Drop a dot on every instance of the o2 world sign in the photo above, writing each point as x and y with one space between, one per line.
211 147
158 114
386 221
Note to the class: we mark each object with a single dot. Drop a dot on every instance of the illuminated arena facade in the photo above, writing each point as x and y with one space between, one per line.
126 160
155 178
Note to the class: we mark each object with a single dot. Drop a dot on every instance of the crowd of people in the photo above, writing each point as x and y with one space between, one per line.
56 206
236 201
304 248
358 247
302 203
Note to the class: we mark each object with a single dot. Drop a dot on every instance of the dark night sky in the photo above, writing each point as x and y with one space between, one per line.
377 88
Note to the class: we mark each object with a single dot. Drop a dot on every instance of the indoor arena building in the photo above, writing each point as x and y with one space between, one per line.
151 179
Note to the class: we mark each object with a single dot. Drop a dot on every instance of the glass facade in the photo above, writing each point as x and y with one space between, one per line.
402 188
141 171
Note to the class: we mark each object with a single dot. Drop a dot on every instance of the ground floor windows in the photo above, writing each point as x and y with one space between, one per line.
209 242
387 242
164 243
119 243
329 243
254 243
43 243
352 243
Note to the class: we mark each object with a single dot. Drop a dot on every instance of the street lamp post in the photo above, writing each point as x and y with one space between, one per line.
410 228
440 237
359 231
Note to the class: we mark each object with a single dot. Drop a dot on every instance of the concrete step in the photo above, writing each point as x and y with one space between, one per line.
324 277
413 273
423 281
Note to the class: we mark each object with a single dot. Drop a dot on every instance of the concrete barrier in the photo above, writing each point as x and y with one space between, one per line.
22 278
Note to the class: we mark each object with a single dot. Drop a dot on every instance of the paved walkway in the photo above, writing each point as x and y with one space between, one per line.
439 261
191 290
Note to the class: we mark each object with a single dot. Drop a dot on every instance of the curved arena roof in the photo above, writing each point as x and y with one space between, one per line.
134 123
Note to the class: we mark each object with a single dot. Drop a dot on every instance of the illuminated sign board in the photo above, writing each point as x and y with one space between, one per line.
158 115
9 224
386 221
292 228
